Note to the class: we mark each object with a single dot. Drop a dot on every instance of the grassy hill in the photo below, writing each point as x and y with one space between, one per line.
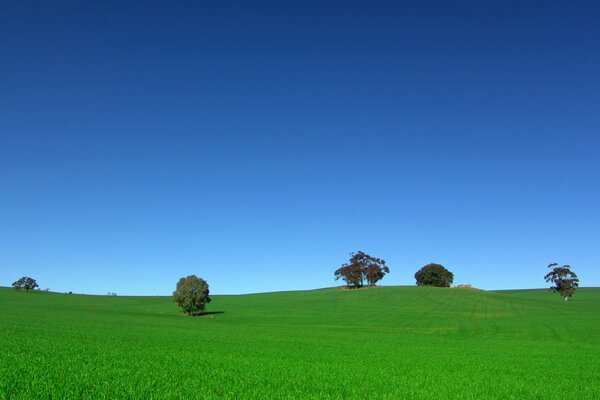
388 342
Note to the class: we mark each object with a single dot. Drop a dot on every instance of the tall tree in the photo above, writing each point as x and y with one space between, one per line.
564 280
26 283
191 295
362 268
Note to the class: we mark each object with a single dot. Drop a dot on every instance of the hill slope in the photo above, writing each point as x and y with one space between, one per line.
388 342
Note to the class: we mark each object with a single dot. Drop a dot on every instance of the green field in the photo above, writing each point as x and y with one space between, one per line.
387 342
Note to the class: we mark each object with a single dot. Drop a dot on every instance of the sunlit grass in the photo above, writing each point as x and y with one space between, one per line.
389 342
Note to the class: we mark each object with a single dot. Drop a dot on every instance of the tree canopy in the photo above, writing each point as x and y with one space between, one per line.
362 268
26 283
191 295
563 279
434 275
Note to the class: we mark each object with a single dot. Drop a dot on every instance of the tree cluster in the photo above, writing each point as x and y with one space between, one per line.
361 269
364 269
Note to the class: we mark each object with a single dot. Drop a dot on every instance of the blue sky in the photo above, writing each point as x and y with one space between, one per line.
256 144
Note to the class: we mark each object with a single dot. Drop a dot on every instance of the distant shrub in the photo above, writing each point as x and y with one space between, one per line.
191 294
26 283
434 275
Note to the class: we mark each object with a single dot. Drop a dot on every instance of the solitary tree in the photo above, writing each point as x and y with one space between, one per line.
191 294
25 283
565 281
434 275
362 268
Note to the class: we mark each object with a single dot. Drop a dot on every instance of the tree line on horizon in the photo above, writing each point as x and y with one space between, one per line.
192 293
364 269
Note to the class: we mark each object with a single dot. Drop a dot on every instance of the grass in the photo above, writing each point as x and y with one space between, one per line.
388 342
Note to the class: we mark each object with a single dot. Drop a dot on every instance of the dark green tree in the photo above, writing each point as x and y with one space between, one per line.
191 295
26 283
434 275
564 280
362 268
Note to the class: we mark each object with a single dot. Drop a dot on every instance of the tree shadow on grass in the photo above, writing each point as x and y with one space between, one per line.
203 314
211 313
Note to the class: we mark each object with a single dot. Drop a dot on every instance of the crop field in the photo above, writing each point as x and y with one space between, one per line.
387 342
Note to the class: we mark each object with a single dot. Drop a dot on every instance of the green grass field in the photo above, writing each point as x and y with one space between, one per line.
388 342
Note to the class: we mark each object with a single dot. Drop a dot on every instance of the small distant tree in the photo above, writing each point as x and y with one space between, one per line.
434 275
362 268
26 283
564 280
191 295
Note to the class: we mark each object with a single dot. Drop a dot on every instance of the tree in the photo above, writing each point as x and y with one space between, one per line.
434 275
360 268
191 295
565 281
26 283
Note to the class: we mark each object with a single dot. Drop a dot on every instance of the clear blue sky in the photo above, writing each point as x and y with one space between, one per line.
256 144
